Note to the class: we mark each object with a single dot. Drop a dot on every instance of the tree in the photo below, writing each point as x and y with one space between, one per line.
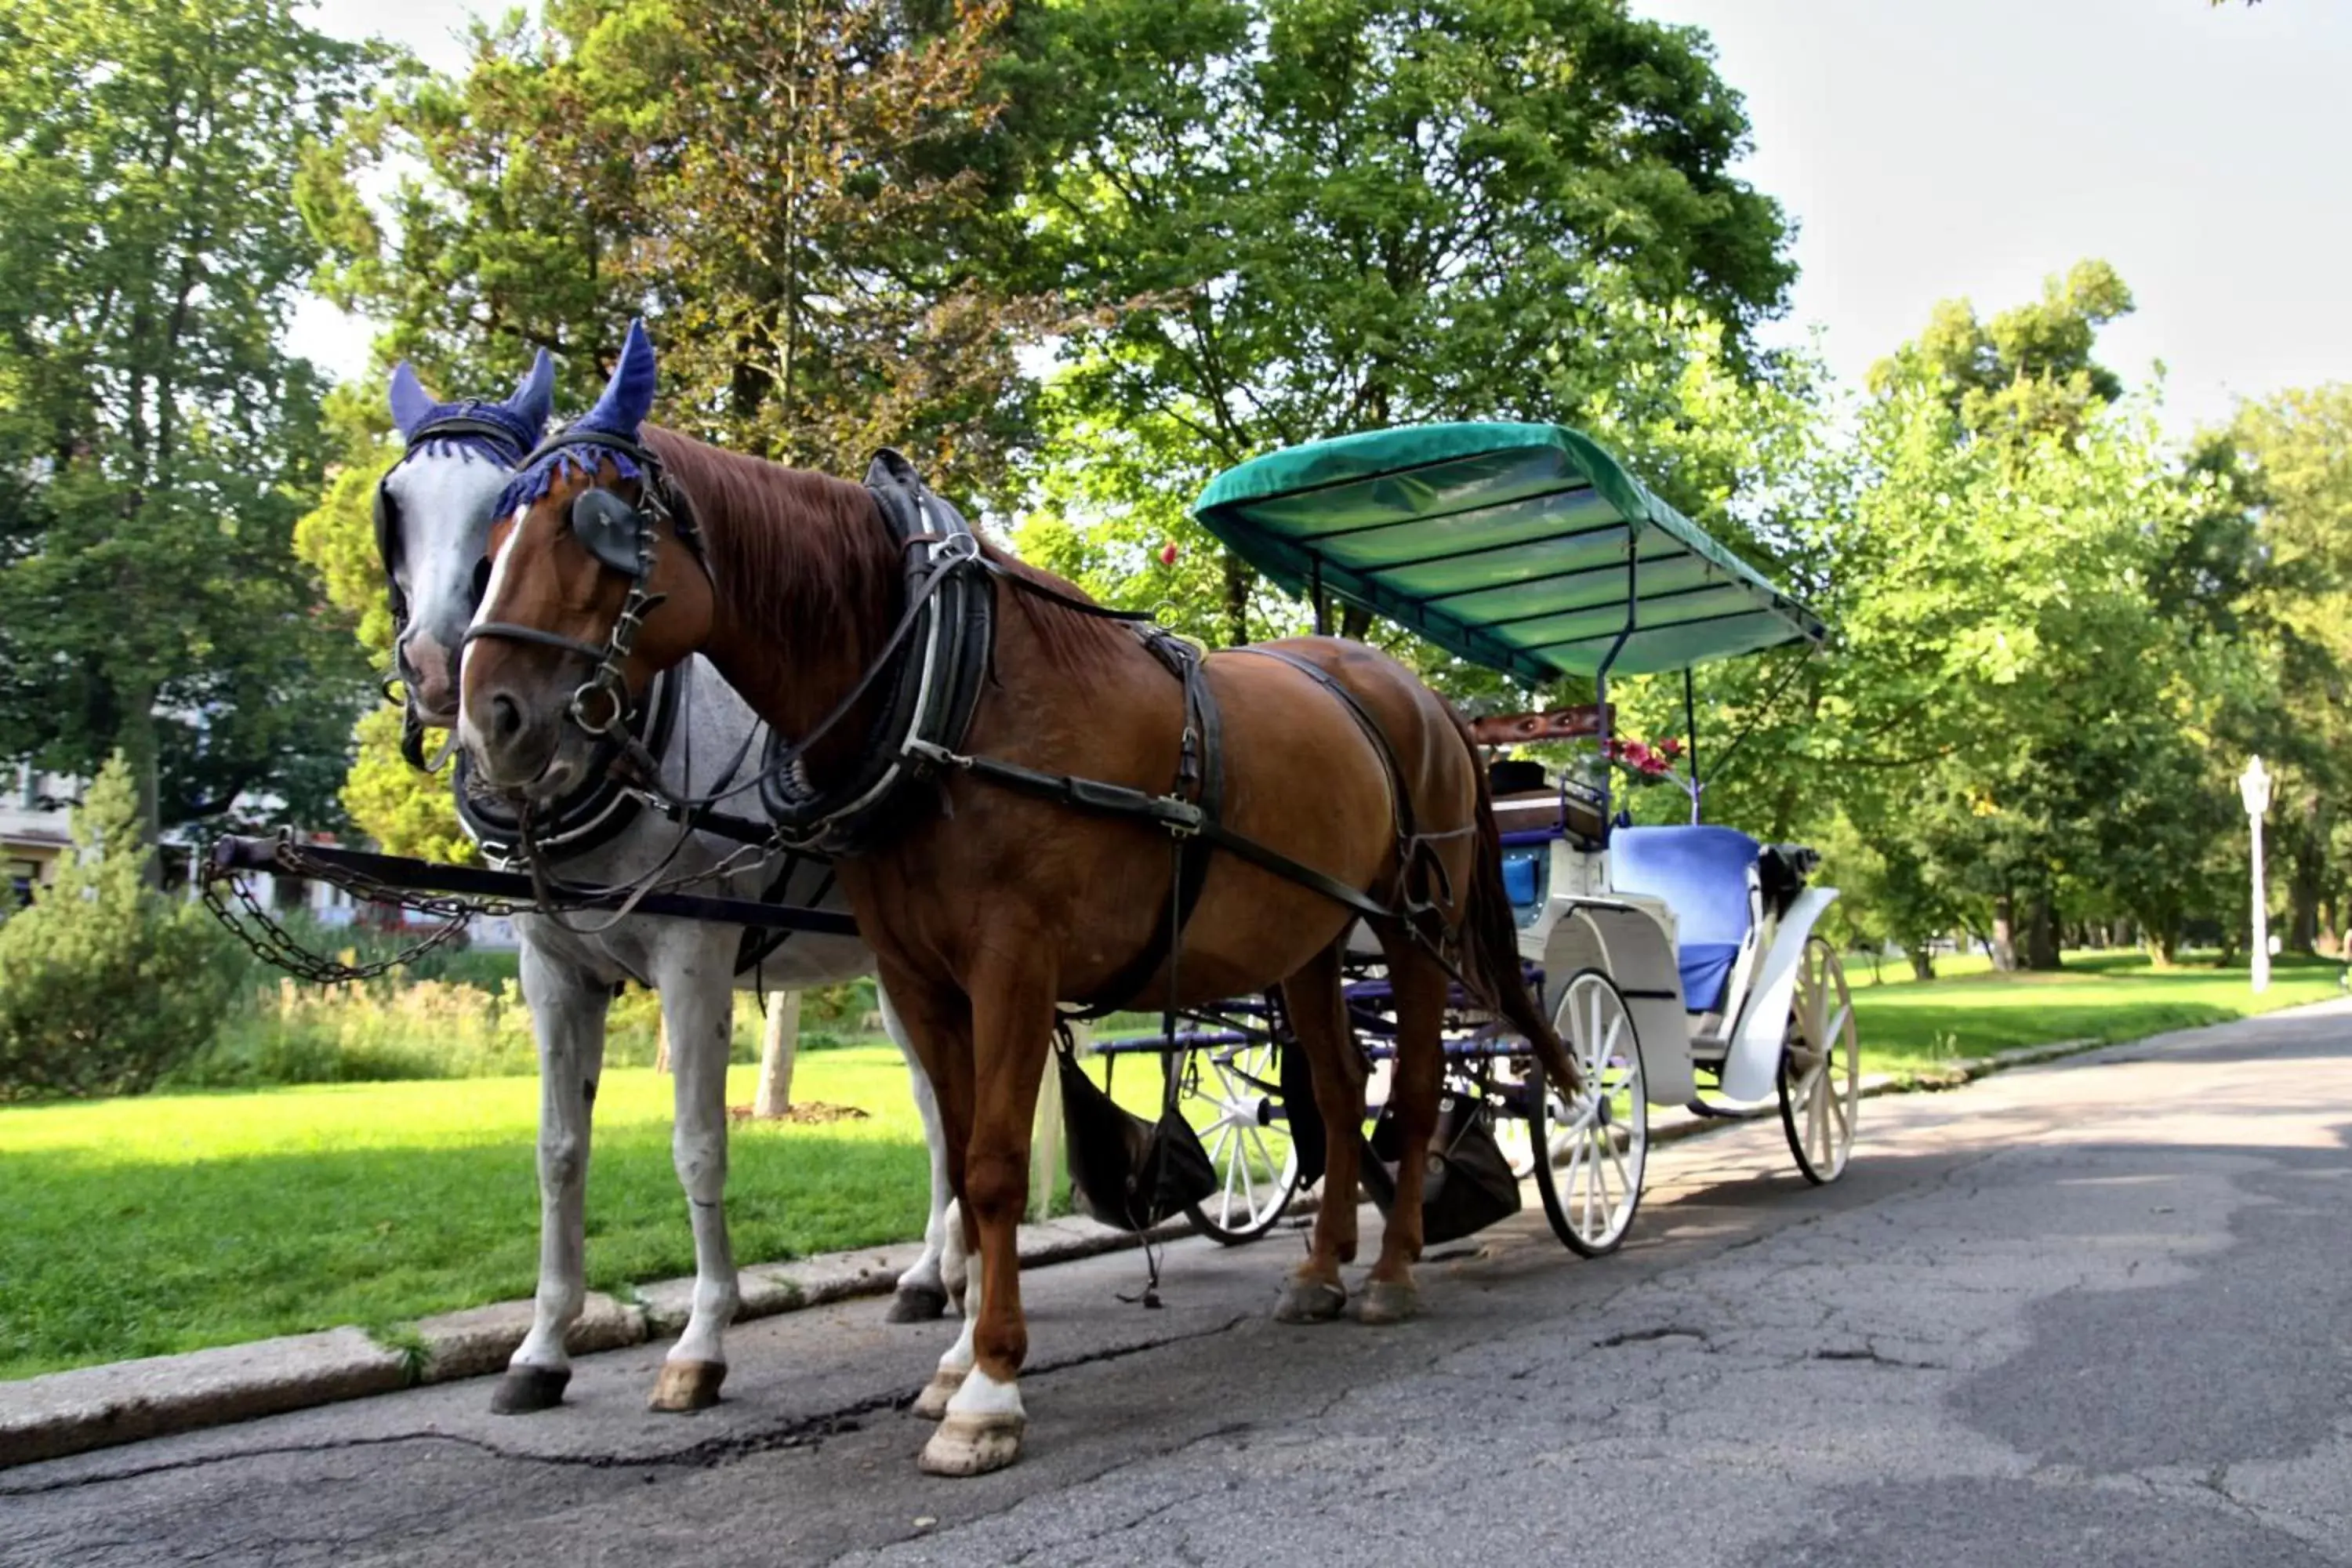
106 984
2294 523
789 193
799 198
155 444
1278 220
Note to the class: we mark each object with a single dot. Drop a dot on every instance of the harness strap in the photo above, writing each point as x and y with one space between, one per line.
1412 846
1199 772
1180 816
510 631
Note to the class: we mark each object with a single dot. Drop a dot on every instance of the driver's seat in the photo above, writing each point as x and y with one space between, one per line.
1702 874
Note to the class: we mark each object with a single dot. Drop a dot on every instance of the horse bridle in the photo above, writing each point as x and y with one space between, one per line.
447 428
622 537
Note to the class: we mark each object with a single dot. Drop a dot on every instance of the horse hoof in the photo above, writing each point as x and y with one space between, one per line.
973 1445
1390 1301
1309 1301
525 1389
917 1304
932 1404
687 1386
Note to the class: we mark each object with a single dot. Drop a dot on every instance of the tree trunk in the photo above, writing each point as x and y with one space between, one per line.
1923 963
142 746
2004 932
779 1044
1354 621
2041 934
2303 885
661 1042
1237 587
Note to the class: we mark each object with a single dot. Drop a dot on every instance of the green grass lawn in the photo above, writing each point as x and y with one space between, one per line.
1968 1011
141 1226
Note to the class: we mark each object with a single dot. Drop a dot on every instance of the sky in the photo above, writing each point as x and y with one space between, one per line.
1939 149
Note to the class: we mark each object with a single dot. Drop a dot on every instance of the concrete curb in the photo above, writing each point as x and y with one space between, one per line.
95 1406
66 1413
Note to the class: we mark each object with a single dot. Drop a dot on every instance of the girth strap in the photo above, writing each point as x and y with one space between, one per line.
1412 846
1201 775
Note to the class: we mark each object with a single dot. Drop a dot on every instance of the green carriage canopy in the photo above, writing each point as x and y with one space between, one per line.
1524 548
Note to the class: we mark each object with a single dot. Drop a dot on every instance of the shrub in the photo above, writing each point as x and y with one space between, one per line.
105 983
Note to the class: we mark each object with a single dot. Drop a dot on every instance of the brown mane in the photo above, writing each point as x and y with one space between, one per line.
800 546
797 545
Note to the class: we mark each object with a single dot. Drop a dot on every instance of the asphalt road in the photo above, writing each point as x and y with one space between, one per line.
2093 1313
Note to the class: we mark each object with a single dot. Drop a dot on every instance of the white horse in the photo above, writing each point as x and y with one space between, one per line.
434 528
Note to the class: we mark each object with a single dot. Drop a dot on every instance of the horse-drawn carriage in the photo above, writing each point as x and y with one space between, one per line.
1670 957
967 756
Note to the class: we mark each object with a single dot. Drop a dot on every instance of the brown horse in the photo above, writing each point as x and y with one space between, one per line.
988 906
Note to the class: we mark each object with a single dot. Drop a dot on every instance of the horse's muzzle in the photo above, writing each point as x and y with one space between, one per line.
517 751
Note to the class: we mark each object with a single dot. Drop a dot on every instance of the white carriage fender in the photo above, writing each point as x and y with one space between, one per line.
1751 1069
1625 944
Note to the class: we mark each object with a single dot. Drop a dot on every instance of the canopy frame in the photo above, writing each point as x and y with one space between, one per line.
1324 520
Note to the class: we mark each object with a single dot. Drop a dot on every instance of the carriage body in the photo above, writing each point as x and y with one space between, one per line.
1683 963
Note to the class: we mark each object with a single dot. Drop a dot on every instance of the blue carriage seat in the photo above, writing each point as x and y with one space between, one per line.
1701 873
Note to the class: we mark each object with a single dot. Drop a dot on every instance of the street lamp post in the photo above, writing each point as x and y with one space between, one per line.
2254 789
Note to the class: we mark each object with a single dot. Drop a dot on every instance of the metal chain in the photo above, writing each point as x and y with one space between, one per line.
274 945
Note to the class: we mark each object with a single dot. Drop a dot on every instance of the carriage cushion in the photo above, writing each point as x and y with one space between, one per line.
1522 877
1701 873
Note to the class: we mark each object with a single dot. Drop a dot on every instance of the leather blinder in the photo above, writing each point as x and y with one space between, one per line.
612 529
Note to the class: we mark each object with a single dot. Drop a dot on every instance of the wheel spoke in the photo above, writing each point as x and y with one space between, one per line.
1229 1156
1272 1172
1624 1176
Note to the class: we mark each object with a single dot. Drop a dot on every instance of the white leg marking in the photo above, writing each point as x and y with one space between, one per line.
960 1355
983 1395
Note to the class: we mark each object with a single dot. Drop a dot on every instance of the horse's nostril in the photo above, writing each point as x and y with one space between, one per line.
506 717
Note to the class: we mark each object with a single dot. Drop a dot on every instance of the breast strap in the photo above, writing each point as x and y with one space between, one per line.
928 701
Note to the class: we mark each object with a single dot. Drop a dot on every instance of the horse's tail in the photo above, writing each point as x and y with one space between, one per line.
1490 938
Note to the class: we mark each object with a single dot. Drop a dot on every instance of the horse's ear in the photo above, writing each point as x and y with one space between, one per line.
629 397
534 394
411 404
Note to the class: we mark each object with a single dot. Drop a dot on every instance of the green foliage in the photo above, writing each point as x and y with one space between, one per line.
2281 566
106 984
799 196
156 444
1278 220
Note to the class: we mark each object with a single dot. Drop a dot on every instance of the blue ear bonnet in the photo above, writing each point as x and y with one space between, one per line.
524 430
539 478
627 398
521 417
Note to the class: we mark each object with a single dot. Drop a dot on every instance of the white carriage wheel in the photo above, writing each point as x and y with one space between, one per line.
1821 1069
1595 1147
1233 1106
